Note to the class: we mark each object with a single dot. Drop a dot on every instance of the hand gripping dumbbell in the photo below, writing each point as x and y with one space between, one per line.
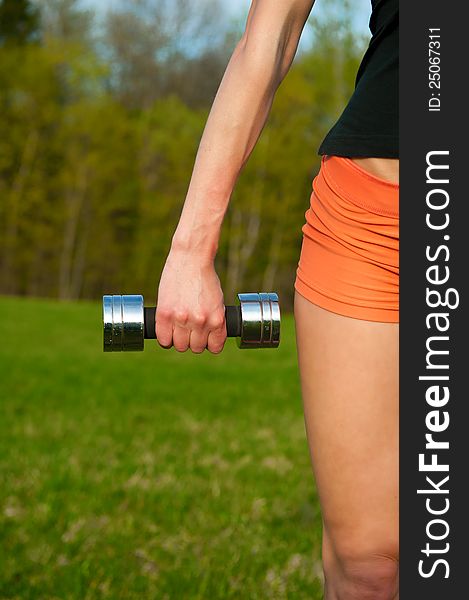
254 321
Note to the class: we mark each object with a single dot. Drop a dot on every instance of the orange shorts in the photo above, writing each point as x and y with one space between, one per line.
349 261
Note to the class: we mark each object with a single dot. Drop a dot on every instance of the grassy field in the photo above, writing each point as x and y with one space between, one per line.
155 475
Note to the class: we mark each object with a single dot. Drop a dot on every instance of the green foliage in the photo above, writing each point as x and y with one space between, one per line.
150 475
92 183
19 22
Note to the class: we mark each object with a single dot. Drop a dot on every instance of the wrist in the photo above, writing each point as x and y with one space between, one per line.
201 245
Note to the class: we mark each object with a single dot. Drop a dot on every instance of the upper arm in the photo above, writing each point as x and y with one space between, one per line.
276 24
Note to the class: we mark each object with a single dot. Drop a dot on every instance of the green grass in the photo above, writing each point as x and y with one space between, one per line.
159 475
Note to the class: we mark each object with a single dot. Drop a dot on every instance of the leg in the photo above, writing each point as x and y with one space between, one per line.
349 380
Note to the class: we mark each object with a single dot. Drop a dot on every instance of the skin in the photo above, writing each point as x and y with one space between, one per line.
190 306
386 168
349 380
348 367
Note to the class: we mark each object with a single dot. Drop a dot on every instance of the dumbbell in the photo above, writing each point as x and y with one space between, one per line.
254 321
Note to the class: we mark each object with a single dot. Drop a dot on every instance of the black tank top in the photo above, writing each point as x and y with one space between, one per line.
369 123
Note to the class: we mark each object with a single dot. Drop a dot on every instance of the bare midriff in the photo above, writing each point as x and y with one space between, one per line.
386 168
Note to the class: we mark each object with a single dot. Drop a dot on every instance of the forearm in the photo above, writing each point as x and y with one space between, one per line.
238 114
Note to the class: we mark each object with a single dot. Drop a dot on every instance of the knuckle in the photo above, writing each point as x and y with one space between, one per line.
217 321
199 319
181 315
163 314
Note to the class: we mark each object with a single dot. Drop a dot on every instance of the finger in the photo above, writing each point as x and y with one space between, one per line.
181 336
163 329
216 340
198 340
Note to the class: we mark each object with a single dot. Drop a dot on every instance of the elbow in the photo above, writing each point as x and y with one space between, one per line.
264 60
269 52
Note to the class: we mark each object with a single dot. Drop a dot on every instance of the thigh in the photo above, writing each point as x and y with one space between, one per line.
349 380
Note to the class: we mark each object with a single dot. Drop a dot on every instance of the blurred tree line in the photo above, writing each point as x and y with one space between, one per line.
100 119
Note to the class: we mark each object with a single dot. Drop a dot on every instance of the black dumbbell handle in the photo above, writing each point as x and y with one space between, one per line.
232 316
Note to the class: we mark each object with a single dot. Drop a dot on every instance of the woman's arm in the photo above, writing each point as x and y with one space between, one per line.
190 309
257 66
